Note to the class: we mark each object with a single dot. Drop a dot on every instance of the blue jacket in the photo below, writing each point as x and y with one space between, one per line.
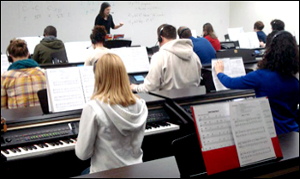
204 50
282 92
261 36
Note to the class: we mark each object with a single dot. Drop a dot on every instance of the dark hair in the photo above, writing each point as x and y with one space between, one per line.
50 30
269 38
169 31
17 48
103 7
210 30
277 24
282 55
259 25
184 32
98 34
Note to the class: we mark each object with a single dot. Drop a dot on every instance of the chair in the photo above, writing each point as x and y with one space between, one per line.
59 57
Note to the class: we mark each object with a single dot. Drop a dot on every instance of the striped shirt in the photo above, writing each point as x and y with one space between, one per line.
19 87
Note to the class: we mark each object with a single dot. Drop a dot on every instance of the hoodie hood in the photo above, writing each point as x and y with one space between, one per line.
182 48
52 42
127 119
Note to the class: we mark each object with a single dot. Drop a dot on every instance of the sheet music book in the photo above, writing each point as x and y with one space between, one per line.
233 67
234 33
4 63
69 88
78 51
236 134
135 59
248 40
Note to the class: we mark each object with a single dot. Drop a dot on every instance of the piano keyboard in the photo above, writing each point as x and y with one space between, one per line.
41 148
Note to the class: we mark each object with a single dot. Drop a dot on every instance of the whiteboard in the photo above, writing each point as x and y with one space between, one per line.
74 20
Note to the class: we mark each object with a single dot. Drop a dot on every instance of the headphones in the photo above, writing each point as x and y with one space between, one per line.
278 34
10 60
160 34
181 32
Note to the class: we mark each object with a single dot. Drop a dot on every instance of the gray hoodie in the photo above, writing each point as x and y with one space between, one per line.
111 136
175 66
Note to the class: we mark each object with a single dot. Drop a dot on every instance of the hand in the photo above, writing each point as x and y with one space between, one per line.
132 86
121 24
262 44
219 67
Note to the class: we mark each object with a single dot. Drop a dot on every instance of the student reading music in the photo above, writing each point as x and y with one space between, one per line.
50 44
202 47
22 81
274 79
112 124
97 38
209 34
174 66
258 27
105 18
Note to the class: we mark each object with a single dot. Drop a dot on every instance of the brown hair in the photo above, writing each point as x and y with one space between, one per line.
184 32
208 28
50 30
168 32
17 48
112 82
259 25
98 34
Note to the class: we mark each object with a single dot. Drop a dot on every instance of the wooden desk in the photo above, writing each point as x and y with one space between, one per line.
167 167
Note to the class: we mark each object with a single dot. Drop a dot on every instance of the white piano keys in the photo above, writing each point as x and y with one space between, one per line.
162 129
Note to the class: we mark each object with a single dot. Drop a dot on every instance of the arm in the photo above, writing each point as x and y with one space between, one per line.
118 26
87 134
35 55
153 80
250 81
3 95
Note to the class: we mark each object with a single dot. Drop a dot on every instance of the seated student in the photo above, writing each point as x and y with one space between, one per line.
22 81
98 38
258 27
202 47
274 79
50 44
174 66
277 24
112 124
209 34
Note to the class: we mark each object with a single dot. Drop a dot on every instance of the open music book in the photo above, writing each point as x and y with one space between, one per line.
69 88
236 134
233 67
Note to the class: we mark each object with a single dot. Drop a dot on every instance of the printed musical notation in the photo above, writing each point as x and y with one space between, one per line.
213 122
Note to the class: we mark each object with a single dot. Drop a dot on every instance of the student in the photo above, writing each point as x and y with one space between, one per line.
277 24
209 34
274 79
105 18
50 44
98 38
112 124
22 81
258 27
174 66
202 47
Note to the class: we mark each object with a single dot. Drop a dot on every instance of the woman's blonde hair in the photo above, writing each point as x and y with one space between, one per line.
112 82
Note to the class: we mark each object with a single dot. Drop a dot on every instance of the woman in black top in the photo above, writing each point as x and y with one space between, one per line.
104 18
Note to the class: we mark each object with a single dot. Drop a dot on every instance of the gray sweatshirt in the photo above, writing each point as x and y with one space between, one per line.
175 66
111 136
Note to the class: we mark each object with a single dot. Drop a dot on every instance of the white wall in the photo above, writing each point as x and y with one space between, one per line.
75 19
245 14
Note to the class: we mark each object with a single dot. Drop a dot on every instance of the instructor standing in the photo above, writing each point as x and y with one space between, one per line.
104 18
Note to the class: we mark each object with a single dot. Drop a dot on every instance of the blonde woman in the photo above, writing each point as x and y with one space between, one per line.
113 123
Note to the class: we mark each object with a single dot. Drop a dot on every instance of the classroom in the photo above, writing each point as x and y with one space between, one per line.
150 89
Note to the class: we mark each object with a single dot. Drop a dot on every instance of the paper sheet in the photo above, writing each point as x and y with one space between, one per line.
4 63
135 59
233 67
88 81
213 123
250 131
78 51
31 42
65 89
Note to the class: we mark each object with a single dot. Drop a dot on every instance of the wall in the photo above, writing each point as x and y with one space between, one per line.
245 14
75 19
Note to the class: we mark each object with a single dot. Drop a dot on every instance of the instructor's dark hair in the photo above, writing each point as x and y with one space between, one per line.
103 7
282 55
